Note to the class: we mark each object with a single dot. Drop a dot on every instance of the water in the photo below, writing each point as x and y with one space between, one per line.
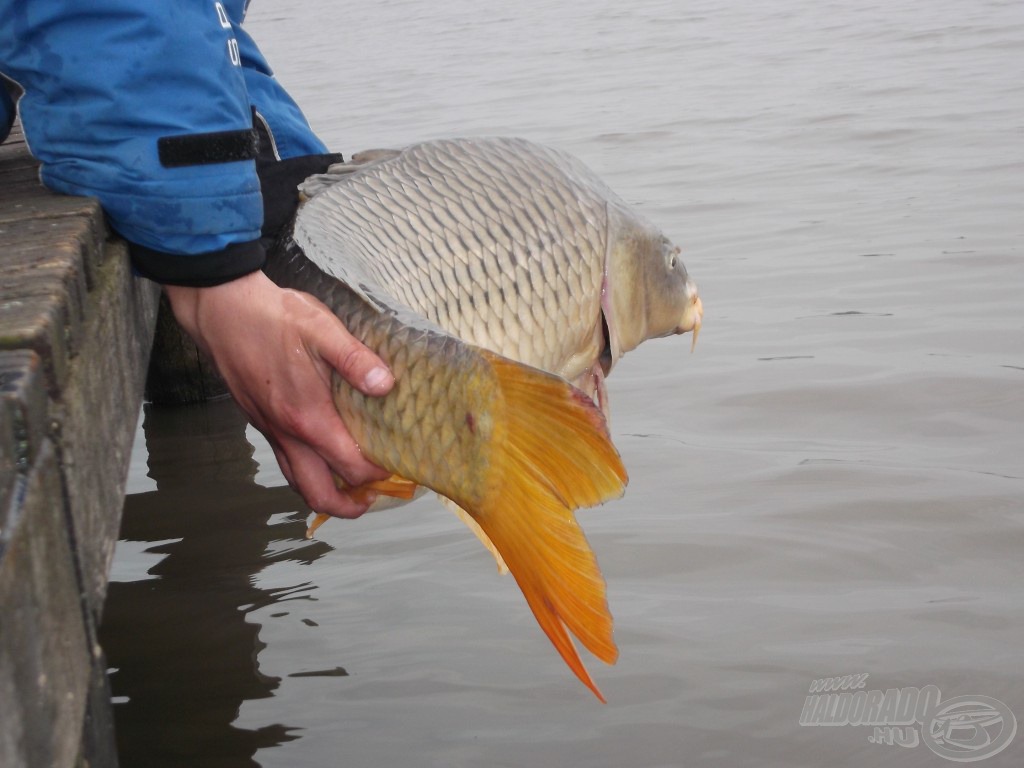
832 484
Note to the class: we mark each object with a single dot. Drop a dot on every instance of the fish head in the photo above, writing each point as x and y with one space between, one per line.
673 303
647 292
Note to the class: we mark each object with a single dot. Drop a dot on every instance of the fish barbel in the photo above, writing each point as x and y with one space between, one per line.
488 274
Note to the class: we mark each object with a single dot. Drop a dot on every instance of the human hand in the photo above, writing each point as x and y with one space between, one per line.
276 349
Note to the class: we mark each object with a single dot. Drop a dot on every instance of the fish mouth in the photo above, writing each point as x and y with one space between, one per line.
693 315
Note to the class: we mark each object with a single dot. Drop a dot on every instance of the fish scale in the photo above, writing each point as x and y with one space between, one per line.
476 225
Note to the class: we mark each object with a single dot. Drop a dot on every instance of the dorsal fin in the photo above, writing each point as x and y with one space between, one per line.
317 183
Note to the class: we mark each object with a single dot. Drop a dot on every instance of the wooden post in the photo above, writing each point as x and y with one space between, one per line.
75 334
179 372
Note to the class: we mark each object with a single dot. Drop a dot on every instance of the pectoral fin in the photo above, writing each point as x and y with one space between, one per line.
394 487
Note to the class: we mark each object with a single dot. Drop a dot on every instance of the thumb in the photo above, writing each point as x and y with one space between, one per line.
356 363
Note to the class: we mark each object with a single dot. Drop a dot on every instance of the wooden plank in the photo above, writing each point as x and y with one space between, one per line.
38 324
44 658
97 413
8 468
46 269
23 399
75 333
28 220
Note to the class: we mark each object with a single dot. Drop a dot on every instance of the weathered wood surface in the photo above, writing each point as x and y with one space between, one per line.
75 334
179 372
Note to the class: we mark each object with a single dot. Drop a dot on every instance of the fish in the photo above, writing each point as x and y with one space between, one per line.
501 281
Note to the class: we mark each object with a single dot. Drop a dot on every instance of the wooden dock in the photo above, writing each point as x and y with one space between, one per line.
76 329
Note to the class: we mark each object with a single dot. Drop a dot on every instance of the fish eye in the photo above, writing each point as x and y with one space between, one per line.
672 251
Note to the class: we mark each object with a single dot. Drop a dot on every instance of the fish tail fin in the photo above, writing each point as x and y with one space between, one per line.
557 456
474 526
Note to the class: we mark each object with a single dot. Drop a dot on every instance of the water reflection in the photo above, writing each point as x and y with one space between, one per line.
179 640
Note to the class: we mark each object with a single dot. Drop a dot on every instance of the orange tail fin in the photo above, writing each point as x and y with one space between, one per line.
557 457
472 524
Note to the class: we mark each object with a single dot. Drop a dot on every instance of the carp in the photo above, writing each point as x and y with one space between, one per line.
500 281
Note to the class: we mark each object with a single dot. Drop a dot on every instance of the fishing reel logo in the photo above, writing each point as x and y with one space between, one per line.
963 729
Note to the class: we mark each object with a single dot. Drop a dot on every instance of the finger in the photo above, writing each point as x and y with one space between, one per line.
315 483
332 342
355 362
318 426
325 433
282 462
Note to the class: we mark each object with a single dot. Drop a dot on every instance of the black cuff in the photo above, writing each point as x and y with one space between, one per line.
200 270
279 182
7 109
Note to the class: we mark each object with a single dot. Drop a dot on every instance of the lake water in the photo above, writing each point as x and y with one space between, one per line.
832 484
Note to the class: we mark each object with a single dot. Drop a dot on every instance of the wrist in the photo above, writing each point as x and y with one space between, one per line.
192 304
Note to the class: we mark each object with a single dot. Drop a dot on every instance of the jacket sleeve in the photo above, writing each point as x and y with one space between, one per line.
274 109
289 150
145 106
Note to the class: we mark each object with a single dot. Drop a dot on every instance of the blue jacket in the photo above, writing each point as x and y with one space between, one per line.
148 106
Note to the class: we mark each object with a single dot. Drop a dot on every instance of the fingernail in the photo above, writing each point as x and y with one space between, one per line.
376 378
